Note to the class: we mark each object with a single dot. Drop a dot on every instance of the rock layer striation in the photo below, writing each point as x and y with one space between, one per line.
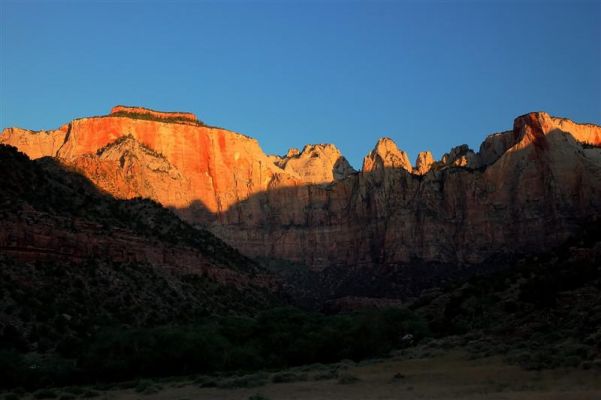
525 190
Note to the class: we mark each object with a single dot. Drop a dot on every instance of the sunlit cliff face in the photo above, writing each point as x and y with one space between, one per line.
175 163
311 206
175 159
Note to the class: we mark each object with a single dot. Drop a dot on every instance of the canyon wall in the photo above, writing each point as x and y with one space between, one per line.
525 190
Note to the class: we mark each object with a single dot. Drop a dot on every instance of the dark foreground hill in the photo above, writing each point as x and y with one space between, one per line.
541 312
74 259
95 289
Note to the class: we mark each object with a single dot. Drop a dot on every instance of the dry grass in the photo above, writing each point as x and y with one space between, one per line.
447 376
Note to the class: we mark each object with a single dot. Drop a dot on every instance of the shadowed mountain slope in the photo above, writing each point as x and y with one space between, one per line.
526 190
73 258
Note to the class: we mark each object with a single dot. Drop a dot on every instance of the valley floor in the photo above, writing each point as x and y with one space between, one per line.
451 375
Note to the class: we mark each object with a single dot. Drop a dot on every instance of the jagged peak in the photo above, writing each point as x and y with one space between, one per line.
423 162
316 163
386 154
327 148
292 152
385 142
461 156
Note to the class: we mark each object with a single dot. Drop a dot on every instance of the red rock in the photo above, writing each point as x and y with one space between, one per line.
320 163
544 173
386 155
51 238
423 163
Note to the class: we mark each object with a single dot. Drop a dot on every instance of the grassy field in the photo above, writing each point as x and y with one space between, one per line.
450 375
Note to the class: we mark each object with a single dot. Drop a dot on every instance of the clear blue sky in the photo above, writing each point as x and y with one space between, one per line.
430 75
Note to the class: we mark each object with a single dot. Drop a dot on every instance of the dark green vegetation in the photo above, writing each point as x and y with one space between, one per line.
586 145
277 338
43 189
151 117
74 261
69 319
542 312
166 119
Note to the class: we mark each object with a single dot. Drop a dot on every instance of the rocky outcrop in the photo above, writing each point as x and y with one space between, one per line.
76 240
311 207
460 156
584 133
319 163
463 211
219 168
89 260
423 163
386 154
127 169
494 146
53 214
36 144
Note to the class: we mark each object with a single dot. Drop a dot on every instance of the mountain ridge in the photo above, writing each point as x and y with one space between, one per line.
312 207
592 137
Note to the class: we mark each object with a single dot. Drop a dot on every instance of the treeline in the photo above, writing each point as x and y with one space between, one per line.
274 339
153 117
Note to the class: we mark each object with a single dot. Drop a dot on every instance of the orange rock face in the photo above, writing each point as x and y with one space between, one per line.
35 144
311 207
320 163
208 168
423 163
386 155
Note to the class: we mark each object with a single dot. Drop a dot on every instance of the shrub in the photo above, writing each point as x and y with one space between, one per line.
13 369
326 375
206 381
246 381
127 384
45 394
258 397
277 338
76 390
346 379
143 385
284 377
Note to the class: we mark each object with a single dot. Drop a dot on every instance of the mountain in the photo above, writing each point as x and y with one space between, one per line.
73 258
541 312
495 251
526 190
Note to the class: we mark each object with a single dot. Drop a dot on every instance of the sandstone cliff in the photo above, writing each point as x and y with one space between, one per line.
320 163
74 259
386 155
52 214
423 163
526 189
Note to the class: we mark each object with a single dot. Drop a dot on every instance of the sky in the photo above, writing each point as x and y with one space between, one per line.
429 74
